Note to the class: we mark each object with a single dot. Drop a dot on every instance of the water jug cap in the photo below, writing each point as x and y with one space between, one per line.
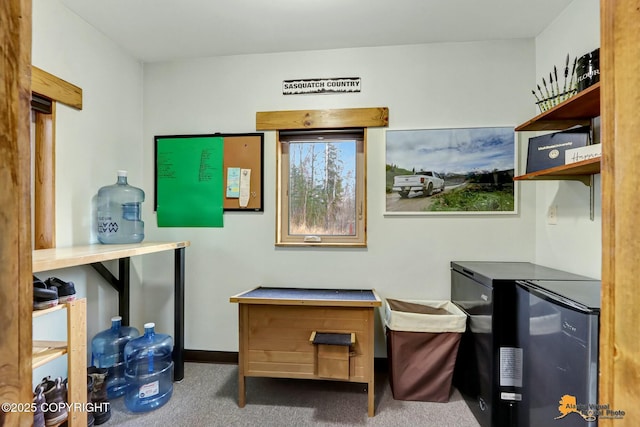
116 318
149 325
122 173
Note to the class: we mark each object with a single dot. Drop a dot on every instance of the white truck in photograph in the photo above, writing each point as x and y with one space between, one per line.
425 182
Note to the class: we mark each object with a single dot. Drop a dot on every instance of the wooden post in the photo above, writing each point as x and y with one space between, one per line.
16 286
45 180
619 382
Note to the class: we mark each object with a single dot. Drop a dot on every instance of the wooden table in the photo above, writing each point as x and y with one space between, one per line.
276 325
94 255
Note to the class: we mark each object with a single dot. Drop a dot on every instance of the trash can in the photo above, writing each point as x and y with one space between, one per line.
422 346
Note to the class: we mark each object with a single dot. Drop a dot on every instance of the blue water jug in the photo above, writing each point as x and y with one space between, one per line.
149 370
119 212
107 351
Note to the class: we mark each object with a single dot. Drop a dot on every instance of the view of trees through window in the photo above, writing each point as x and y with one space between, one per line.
322 187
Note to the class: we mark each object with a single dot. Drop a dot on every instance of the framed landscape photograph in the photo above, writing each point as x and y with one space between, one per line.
451 171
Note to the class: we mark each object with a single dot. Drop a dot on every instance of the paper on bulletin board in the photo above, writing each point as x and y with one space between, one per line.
233 183
245 187
190 189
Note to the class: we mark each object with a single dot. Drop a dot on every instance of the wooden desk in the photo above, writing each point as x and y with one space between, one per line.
276 324
94 255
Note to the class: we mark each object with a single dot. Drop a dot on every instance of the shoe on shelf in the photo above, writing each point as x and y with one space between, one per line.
66 290
90 418
56 411
38 400
43 296
102 407
65 389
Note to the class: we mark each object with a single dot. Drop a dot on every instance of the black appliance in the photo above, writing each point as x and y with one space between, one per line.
558 325
488 370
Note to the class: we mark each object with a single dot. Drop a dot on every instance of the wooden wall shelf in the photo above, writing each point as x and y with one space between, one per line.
577 110
579 171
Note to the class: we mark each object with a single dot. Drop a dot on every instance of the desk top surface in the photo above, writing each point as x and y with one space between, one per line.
51 259
308 296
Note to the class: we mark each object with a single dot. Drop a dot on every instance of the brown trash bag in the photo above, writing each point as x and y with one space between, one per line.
422 347
421 364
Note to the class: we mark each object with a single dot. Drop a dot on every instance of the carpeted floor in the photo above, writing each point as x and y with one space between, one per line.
208 396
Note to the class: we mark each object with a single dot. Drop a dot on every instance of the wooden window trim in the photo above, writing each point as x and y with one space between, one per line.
283 238
318 120
44 206
54 89
323 119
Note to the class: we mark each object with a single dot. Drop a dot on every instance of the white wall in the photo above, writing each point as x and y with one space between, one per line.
424 86
91 144
575 243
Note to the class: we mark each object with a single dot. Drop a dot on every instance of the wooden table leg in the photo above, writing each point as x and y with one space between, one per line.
243 314
370 361
242 396
371 402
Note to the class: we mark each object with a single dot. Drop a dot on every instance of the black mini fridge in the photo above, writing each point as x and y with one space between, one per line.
488 370
558 325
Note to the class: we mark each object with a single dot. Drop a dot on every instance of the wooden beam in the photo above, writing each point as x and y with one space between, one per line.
44 211
16 285
323 119
619 379
55 88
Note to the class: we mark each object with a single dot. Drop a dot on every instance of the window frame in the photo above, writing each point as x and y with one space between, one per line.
47 91
283 237
341 118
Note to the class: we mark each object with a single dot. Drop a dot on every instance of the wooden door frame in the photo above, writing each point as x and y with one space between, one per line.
620 104
16 291
55 90
19 79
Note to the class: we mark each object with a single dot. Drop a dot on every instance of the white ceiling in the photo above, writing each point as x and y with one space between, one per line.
164 30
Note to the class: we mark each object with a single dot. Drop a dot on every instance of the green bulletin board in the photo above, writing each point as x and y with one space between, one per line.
189 187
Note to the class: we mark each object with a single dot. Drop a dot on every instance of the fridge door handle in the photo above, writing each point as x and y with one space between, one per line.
469 272
555 298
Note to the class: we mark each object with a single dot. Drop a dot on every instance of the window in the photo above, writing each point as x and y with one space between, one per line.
321 188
